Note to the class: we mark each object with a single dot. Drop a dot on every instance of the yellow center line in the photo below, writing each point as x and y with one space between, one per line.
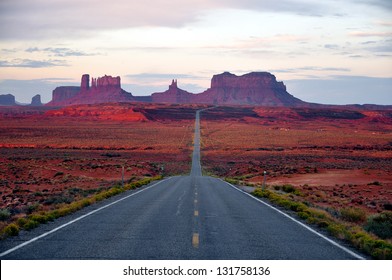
196 213
195 240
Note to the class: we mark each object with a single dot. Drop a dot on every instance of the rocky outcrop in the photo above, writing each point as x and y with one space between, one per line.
106 82
173 95
256 88
36 100
7 100
104 89
60 95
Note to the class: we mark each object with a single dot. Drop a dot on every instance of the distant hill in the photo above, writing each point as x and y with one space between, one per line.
7 100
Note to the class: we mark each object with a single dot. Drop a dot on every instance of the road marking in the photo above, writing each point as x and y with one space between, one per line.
299 223
195 201
75 220
195 240
196 213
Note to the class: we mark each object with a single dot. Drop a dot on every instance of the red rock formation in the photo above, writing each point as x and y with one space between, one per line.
103 90
7 100
172 95
256 88
85 83
61 94
36 100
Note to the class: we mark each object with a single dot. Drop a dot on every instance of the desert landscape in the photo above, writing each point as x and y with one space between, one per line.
337 158
331 164
50 158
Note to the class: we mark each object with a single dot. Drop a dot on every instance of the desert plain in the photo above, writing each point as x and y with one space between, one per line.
335 157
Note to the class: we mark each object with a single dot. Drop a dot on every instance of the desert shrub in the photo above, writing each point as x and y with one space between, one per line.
288 188
298 206
4 214
380 224
352 214
303 215
58 199
59 173
39 218
367 243
375 183
379 249
319 214
11 230
30 224
338 230
21 222
323 223
232 181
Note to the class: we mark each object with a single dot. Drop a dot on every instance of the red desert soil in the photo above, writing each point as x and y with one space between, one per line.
337 158
52 157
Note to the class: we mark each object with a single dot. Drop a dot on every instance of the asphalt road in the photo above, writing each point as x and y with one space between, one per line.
184 217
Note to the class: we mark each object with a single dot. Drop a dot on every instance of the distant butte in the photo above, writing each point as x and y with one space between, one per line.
256 88
36 100
7 100
105 89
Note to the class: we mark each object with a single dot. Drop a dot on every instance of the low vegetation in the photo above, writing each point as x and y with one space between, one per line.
372 238
41 217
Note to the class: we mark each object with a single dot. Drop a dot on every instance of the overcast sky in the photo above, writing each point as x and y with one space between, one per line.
336 52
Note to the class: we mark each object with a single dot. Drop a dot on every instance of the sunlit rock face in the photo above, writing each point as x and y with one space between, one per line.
256 88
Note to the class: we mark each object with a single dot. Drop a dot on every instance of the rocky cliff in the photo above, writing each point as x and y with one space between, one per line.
104 89
256 88
60 95
36 100
7 100
173 95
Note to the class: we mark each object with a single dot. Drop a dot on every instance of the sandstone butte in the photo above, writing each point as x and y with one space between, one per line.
256 88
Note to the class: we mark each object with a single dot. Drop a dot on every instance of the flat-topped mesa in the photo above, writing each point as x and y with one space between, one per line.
7 100
255 88
104 89
251 80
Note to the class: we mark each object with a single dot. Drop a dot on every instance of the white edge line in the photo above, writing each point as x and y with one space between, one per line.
300 223
75 220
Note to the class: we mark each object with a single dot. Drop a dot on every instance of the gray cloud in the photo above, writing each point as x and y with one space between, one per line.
78 18
60 52
383 4
28 63
331 46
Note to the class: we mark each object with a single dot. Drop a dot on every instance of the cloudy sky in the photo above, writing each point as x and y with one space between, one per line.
332 51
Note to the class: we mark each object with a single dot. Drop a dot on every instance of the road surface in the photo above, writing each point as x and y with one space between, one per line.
183 217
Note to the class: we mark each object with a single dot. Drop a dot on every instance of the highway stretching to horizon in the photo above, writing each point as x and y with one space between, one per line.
181 217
